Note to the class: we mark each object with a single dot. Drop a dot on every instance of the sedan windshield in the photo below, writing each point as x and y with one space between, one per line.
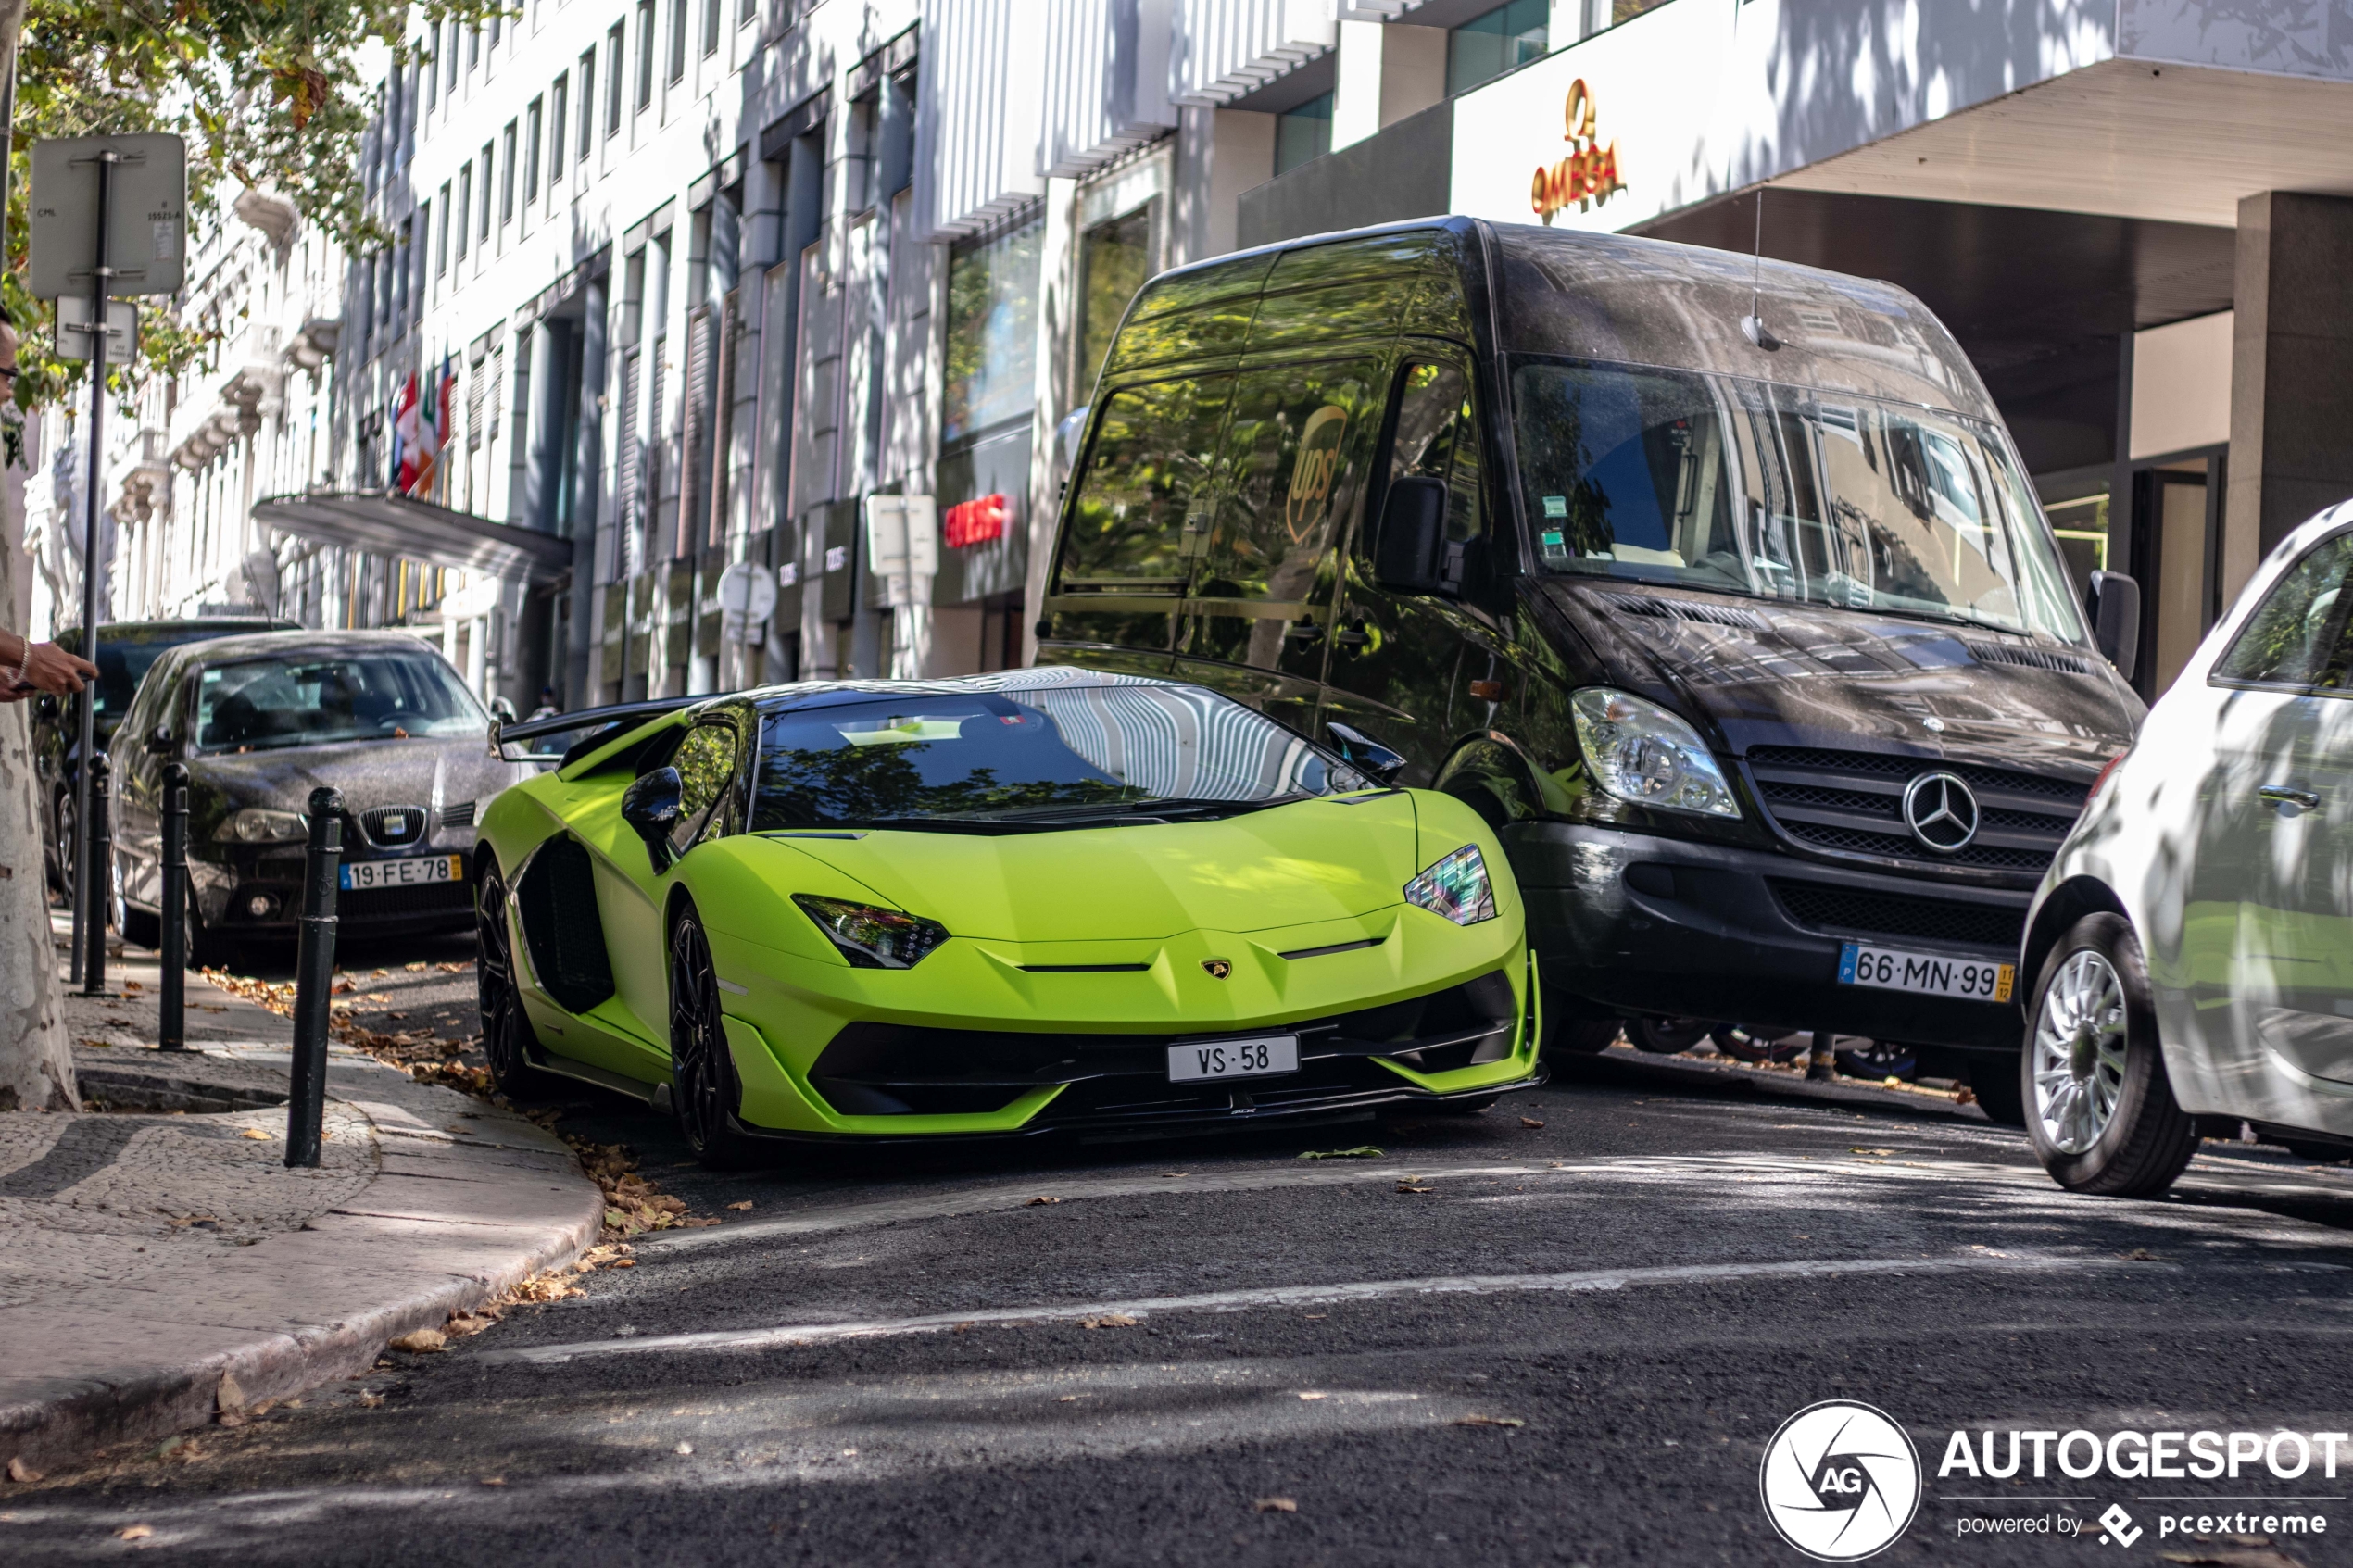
313 699
1034 759
1741 487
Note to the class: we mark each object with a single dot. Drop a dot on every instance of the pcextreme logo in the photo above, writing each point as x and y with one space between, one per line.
1840 1481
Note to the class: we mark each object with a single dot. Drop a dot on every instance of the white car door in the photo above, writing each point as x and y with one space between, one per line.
2264 976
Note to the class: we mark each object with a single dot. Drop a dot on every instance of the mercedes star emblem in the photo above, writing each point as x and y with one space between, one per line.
1940 811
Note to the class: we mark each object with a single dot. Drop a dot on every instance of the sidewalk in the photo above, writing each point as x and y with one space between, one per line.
166 1268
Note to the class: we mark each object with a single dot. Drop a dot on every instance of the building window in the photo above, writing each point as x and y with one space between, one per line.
992 334
441 252
559 122
587 74
507 170
711 13
451 86
428 68
1505 38
532 119
473 47
1116 257
645 54
1303 134
677 40
465 205
489 166
495 18
613 61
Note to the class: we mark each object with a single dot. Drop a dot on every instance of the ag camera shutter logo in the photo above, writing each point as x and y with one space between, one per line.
1840 1481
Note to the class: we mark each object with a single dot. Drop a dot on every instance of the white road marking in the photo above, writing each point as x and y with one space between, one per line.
1296 1295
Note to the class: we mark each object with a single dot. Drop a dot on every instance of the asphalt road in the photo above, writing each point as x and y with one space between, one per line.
1570 1347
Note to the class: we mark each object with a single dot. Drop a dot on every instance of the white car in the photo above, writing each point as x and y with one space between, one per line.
2192 944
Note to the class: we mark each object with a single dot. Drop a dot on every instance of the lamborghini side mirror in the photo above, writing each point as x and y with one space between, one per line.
1365 754
650 806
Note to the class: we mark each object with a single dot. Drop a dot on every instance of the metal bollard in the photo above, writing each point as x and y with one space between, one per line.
99 848
314 977
172 1026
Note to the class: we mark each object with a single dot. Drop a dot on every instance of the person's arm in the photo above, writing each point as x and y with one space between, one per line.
39 667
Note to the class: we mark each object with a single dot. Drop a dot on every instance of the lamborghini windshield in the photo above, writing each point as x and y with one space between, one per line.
1030 758
1744 487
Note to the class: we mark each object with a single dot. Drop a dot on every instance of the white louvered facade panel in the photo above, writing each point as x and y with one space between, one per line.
977 112
1225 48
1106 89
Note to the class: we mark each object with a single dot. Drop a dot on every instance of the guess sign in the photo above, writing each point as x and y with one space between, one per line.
973 523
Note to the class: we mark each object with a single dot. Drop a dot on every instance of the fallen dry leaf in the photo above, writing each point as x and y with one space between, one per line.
1531 1123
1490 1421
413 968
684 1448
1313 1394
369 1398
254 1132
1362 1151
490 1480
1110 1320
746 1204
1408 1187
135 1532
1042 1198
450 968
1275 1505
22 1473
420 1341
1870 1151
2139 1255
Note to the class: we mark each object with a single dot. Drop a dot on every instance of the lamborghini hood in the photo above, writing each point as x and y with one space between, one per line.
1322 860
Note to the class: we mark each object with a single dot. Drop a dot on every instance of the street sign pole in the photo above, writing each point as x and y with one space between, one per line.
89 882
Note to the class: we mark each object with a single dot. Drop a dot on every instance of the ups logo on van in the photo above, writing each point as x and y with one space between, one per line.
1313 471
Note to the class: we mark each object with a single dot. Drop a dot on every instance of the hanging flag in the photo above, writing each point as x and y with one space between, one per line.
407 449
433 432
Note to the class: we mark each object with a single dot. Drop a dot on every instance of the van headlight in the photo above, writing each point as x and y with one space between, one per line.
1641 753
1457 886
872 937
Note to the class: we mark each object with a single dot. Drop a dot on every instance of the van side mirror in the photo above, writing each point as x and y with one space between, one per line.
651 806
2115 619
1412 534
1365 754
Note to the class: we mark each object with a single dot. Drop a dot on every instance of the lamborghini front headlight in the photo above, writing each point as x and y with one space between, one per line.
872 937
1457 886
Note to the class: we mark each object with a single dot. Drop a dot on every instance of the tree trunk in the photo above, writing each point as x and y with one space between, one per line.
36 1059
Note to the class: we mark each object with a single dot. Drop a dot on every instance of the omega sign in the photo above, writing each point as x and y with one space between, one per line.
1586 175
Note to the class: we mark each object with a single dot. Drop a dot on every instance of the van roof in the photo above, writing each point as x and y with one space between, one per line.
1624 299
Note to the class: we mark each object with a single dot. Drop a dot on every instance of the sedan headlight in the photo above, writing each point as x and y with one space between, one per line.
870 937
1641 753
260 824
1456 887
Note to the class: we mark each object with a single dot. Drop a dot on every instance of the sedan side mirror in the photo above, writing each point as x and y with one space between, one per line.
1365 754
503 711
651 806
161 743
1412 533
2115 619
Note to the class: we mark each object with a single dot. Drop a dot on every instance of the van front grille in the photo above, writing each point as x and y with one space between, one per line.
1851 803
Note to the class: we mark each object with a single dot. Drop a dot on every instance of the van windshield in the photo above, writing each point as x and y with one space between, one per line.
1741 487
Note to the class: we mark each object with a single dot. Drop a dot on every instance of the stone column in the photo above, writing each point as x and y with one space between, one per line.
2291 372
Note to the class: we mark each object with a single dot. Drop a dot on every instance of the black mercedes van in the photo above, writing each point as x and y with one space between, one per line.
1718 588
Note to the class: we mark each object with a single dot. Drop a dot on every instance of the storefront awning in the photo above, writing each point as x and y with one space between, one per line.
387 524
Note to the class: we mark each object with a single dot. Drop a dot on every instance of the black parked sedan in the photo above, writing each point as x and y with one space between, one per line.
125 650
263 720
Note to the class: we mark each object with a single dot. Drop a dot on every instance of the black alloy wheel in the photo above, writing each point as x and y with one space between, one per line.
507 1038
704 1092
1668 1036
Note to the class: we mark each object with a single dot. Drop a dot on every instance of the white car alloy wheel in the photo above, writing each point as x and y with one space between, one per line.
2079 1052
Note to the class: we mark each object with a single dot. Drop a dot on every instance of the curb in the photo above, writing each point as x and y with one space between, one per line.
466 1201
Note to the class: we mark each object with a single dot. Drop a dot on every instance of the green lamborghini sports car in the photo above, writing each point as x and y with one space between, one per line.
1042 900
